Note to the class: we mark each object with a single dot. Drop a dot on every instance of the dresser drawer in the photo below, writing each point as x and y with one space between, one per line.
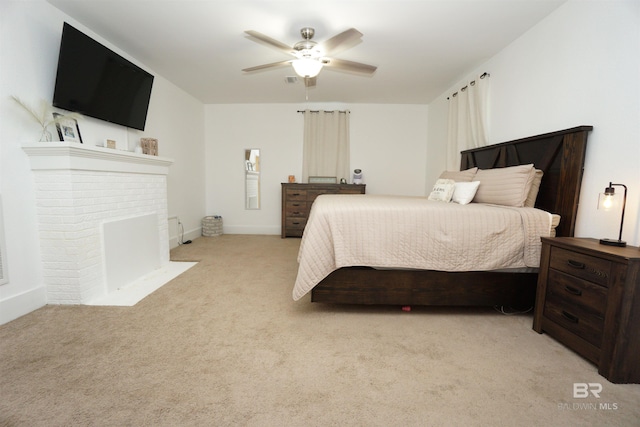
296 209
576 320
296 194
295 223
596 270
574 291
294 232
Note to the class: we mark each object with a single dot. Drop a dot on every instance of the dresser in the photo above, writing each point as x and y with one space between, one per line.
588 298
297 200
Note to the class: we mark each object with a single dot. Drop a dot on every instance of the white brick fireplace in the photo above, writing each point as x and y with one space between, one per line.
96 209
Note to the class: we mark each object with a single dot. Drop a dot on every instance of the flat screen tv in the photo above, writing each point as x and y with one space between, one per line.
95 81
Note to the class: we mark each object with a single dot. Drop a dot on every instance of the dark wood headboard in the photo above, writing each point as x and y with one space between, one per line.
559 154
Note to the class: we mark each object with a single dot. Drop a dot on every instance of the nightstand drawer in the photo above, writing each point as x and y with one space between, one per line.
574 291
582 323
596 270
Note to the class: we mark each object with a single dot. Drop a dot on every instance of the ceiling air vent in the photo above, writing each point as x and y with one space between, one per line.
291 79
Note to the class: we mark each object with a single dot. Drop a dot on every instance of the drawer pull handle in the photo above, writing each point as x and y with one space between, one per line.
296 223
570 317
573 290
295 194
296 213
576 264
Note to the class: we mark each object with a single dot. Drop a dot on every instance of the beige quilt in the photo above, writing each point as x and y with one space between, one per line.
413 232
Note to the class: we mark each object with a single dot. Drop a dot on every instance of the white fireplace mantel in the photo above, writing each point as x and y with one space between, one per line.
91 202
75 156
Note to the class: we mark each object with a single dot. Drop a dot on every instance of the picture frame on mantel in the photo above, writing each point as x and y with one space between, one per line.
68 129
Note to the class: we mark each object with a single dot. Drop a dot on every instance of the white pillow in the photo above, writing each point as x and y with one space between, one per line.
443 190
464 192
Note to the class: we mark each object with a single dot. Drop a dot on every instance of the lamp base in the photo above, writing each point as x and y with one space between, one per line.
611 242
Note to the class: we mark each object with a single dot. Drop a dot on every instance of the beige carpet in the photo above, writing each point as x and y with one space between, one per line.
224 344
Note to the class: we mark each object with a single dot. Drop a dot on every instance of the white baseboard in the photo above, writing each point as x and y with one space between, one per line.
234 229
251 229
24 303
188 235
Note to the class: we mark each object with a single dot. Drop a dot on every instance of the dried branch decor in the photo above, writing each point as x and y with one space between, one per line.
43 114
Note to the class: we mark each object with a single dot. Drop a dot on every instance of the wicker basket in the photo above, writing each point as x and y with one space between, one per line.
212 226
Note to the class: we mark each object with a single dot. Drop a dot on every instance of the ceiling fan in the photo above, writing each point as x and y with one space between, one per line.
310 57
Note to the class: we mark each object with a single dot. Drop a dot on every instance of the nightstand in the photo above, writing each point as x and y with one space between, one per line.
588 298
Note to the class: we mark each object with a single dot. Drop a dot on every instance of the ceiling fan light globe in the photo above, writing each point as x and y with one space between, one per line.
307 67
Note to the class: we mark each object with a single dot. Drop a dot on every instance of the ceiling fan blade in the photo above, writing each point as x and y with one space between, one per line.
342 41
269 41
264 66
310 81
344 65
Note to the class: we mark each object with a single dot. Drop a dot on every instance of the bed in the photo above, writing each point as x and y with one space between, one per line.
559 155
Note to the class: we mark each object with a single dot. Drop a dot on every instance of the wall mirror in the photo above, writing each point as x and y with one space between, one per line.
252 178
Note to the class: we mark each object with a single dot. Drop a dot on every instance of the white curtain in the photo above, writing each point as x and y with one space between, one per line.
326 144
468 119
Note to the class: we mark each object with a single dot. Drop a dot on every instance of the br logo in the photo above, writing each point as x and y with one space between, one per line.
582 390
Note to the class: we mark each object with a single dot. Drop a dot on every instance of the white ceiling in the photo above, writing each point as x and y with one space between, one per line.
421 47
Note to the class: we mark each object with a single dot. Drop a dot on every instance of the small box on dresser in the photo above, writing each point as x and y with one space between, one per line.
588 298
298 198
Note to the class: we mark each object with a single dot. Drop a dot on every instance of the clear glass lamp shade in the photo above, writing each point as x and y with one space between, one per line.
607 201
307 67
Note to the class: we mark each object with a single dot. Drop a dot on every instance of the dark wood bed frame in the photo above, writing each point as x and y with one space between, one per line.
559 154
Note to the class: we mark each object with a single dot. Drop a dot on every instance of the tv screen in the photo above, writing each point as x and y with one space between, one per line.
97 82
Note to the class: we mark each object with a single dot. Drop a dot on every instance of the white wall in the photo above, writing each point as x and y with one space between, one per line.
177 120
579 66
29 42
388 142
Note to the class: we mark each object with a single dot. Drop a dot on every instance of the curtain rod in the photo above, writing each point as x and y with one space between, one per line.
317 111
471 83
